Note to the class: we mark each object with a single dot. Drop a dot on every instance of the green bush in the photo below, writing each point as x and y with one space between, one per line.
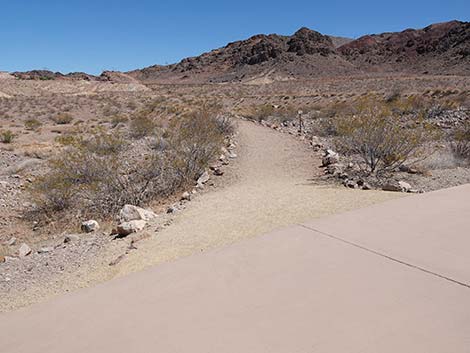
62 118
142 125
380 138
7 136
461 142
32 124
99 174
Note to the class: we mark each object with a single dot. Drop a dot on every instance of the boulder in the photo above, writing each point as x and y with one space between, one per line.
90 226
126 228
24 250
133 213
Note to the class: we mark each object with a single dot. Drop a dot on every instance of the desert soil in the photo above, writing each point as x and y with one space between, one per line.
273 183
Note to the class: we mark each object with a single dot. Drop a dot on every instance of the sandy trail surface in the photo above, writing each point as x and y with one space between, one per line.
270 185
274 187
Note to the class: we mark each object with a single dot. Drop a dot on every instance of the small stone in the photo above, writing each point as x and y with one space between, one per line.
330 157
335 168
70 238
45 249
218 172
171 209
90 226
11 242
350 184
24 250
405 187
400 186
186 196
204 178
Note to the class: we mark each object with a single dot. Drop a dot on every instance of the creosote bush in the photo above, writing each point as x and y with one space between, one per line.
62 118
7 136
461 142
380 137
32 124
141 125
98 174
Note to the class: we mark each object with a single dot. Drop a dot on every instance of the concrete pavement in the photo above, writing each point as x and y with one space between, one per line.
393 277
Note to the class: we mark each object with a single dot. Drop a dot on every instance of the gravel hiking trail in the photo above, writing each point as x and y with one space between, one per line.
270 185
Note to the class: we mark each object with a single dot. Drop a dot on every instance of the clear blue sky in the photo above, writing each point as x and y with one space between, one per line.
93 35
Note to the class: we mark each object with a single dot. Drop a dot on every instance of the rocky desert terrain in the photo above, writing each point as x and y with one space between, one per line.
104 175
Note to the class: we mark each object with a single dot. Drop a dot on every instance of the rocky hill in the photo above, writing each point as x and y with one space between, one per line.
441 48
306 53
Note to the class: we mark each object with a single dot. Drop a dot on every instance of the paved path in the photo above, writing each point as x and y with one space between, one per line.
393 277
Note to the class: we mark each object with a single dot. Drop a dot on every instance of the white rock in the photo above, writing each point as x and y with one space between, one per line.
186 196
24 250
400 186
90 226
405 187
11 242
130 227
204 178
70 238
45 249
133 213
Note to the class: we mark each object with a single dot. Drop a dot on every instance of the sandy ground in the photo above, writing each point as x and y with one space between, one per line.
271 186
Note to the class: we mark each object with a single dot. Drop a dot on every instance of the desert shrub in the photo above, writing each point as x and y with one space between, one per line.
225 125
380 138
7 136
394 95
461 141
32 124
141 125
91 175
118 119
3 252
261 112
62 118
99 174
195 139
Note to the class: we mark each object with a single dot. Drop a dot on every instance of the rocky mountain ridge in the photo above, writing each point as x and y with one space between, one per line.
438 49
